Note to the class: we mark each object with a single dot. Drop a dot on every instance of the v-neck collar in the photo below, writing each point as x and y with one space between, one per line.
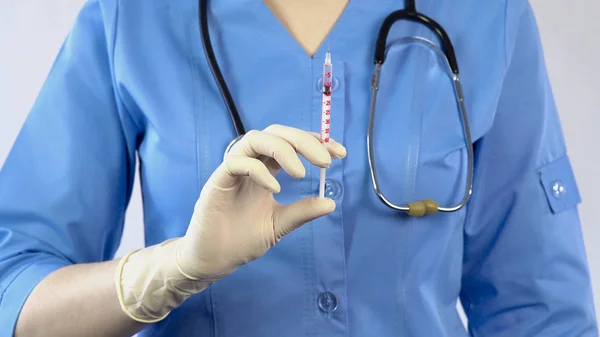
284 35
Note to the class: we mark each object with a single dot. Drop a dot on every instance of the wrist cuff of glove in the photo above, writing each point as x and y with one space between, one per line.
150 283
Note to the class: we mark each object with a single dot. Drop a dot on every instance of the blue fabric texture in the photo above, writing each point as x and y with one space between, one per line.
131 80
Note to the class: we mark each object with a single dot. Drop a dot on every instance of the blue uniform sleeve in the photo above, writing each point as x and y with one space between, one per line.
67 179
525 272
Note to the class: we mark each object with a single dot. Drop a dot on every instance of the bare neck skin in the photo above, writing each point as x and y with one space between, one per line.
308 21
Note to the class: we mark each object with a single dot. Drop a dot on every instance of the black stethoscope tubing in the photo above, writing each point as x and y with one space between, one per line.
216 71
409 13
416 208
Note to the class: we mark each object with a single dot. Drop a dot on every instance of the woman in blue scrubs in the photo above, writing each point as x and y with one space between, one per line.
232 251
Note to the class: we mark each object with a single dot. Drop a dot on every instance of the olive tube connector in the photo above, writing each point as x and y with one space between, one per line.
420 208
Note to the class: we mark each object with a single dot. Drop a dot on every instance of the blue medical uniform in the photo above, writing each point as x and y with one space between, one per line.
131 80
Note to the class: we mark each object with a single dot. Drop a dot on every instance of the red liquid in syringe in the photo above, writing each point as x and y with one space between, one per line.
326 105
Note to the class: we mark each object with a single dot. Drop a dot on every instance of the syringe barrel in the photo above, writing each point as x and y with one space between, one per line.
326 106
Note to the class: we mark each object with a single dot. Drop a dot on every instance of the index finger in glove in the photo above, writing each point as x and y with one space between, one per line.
306 144
336 149
259 143
236 166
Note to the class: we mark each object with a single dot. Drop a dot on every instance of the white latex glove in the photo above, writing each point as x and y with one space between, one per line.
235 220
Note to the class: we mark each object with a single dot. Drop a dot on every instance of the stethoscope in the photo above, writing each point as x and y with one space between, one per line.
415 208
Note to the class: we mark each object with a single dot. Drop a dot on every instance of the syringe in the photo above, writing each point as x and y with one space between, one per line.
325 114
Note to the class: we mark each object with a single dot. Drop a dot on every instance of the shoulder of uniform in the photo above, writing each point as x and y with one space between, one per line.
514 10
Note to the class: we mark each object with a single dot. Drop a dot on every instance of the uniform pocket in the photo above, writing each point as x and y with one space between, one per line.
419 144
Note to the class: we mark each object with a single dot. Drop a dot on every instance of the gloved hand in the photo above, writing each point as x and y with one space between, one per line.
235 220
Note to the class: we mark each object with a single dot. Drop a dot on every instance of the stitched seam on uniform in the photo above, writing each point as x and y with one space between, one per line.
214 308
305 274
508 52
313 279
312 234
305 252
416 150
112 52
343 245
119 102
194 78
343 251
194 105
409 189
17 274
505 28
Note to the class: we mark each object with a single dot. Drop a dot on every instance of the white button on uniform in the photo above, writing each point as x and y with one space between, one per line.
333 189
327 302
336 84
558 189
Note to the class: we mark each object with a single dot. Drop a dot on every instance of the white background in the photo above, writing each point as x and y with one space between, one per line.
31 32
